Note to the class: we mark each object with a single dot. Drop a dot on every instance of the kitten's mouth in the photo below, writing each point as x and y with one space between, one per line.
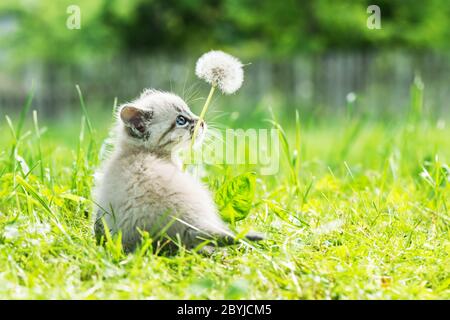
200 134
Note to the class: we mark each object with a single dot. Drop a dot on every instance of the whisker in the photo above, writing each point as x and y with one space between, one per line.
218 128
217 114
196 99
214 124
184 84
210 138
192 92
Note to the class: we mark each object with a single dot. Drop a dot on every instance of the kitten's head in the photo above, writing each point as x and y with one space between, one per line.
160 122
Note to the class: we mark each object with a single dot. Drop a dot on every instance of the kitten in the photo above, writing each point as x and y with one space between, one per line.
141 187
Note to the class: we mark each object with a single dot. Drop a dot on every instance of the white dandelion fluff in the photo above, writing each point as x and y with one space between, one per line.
220 70
350 97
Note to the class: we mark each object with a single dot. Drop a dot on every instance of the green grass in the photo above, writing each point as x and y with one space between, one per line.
359 210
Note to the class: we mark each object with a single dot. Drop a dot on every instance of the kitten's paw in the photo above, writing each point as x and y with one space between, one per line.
255 236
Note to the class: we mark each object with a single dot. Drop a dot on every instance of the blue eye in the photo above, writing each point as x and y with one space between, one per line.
181 121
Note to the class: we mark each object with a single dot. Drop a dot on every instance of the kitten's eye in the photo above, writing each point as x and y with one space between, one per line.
181 121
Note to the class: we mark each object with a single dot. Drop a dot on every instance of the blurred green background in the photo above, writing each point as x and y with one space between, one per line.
359 206
315 56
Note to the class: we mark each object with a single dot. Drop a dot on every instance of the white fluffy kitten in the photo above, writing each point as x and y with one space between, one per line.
140 187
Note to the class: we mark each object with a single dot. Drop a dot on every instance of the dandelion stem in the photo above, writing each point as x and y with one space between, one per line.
202 115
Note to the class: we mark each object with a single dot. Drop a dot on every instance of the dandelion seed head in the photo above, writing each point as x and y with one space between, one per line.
220 69
351 97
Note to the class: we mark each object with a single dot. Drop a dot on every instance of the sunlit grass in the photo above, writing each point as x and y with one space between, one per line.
359 210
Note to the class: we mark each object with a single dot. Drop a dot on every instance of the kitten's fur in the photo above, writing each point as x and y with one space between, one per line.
140 187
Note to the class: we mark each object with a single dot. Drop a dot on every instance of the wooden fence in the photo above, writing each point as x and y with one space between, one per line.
380 80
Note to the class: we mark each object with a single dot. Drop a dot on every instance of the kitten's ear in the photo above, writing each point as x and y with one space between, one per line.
137 120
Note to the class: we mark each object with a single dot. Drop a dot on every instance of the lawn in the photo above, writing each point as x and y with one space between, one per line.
359 210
